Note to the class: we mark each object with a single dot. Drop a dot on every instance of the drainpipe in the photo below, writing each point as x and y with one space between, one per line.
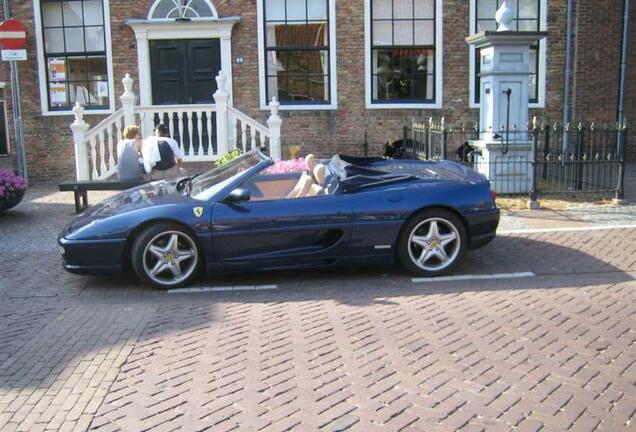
620 118
568 74
17 108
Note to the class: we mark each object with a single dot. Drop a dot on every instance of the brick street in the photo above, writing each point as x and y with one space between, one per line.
334 349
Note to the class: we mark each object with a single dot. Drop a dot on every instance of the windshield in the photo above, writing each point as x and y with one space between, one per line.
206 185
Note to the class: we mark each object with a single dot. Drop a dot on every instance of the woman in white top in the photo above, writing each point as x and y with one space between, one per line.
129 160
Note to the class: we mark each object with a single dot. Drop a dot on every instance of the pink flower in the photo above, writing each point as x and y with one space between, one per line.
287 166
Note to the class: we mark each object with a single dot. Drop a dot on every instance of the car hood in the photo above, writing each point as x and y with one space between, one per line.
149 195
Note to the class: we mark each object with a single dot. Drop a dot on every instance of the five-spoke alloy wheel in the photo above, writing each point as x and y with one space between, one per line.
165 255
432 242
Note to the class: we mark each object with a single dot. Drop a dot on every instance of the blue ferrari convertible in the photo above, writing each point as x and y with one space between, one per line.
244 215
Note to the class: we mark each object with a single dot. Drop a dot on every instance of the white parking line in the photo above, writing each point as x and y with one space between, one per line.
572 229
475 277
223 289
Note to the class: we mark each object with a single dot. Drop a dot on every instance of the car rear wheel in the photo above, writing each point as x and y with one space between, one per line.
166 256
432 243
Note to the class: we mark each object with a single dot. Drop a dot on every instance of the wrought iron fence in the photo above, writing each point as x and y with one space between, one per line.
543 159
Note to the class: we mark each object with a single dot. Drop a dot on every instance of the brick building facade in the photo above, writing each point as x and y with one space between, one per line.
357 105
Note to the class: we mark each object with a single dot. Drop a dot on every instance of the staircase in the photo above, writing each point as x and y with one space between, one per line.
205 132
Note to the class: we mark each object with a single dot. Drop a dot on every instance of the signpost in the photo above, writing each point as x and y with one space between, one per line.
13 42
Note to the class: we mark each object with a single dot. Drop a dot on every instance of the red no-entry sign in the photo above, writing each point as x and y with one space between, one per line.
12 35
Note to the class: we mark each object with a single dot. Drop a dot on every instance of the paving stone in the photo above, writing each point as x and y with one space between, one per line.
341 349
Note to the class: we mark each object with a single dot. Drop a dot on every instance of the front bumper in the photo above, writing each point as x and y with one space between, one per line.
482 227
92 257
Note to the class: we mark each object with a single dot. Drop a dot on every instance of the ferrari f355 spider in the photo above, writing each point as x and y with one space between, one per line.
245 216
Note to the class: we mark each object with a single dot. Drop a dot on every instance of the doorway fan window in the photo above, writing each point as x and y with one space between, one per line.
182 10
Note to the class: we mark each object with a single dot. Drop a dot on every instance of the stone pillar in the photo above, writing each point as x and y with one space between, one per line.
274 122
128 101
221 97
79 128
504 104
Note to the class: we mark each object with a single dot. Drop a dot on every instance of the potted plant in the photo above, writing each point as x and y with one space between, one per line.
12 189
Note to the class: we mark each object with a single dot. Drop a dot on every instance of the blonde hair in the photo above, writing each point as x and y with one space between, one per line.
131 132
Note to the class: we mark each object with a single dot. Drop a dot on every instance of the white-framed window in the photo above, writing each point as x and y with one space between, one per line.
74 55
297 53
404 46
530 15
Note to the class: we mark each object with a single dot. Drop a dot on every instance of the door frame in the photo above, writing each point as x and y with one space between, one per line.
146 30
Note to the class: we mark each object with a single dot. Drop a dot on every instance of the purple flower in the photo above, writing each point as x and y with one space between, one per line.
10 184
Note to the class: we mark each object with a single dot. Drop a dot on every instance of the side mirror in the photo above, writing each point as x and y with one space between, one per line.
239 194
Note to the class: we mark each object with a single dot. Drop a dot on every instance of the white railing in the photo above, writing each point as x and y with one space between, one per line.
205 132
96 150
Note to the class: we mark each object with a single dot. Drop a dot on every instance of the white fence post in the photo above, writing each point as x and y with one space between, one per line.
128 101
79 128
274 123
221 97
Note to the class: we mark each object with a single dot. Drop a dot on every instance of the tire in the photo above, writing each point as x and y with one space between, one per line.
166 256
432 242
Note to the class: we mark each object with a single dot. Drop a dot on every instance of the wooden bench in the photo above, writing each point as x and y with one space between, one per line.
81 188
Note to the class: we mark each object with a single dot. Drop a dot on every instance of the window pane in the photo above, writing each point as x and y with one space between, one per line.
77 69
424 33
528 8
402 9
317 9
382 9
98 92
487 9
52 13
486 25
317 86
57 69
300 62
528 25
403 74
297 35
382 33
296 10
95 39
298 88
97 70
424 9
403 33
163 9
54 40
79 92
201 8
74 37
58 94
72 13
275 10
93 12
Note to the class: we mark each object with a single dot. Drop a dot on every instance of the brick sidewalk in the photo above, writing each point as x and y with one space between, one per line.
334 349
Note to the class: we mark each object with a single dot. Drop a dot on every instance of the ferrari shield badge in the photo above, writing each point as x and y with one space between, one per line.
198 211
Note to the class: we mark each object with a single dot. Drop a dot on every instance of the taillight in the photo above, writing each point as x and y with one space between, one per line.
493 194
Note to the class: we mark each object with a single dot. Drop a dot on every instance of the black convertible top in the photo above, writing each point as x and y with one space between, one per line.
352 177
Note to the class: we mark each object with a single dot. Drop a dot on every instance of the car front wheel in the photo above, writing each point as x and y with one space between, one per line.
166 256
432 243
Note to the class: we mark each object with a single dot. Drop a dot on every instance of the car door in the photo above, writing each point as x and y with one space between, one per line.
284 230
